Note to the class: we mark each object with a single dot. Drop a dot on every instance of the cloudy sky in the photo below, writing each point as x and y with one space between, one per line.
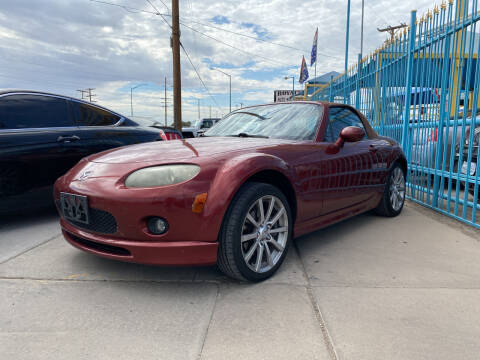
64 45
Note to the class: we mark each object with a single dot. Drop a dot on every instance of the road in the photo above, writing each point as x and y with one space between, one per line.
367 288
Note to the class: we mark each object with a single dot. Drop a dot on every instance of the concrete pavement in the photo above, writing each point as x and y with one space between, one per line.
368 288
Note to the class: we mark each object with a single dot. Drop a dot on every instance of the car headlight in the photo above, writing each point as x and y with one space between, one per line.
161 175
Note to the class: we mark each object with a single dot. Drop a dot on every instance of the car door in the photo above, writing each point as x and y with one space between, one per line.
98 130
33 130
353 169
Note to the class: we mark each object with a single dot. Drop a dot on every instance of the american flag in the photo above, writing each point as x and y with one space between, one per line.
303 71
313 58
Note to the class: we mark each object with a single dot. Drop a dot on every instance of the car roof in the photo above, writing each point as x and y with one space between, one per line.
19 91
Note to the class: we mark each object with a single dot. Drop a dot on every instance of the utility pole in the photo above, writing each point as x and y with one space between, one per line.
165 101
198 101
82 92
90 95
392 29
177 80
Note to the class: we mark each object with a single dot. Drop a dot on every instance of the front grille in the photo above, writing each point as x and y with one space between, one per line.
100 221
104 248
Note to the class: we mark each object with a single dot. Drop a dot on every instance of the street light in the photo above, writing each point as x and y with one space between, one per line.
131 97
293 86
230 77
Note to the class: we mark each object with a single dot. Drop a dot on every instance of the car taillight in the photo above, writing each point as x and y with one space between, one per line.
433 136
163 136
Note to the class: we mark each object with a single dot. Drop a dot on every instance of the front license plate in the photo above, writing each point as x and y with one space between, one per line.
473 167
74 207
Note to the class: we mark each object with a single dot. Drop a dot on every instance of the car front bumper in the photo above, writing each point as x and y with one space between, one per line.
142 252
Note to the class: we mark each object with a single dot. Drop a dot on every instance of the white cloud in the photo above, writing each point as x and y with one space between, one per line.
61 46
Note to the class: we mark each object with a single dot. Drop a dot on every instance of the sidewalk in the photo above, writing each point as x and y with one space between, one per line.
368 288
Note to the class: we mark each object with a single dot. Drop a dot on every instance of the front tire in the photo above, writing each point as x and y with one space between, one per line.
394 194
256 233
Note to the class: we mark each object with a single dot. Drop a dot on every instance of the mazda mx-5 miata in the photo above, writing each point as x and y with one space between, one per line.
236 196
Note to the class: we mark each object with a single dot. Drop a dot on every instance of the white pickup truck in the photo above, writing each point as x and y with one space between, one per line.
198 127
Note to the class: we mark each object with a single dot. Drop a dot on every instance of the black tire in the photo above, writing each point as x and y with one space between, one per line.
230 257
385 207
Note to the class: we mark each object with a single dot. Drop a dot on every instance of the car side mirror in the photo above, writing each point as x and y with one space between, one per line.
348 134
351 134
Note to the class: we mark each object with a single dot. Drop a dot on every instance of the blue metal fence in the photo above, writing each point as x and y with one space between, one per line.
422 89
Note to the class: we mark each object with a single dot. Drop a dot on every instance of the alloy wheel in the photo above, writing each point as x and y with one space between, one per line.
264 234
397 189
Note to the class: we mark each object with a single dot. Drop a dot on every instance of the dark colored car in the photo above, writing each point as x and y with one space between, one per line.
235 196
43 135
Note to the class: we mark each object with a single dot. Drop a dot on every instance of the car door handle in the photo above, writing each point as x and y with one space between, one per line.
67 138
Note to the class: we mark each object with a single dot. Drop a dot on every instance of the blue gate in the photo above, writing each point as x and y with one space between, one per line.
422 89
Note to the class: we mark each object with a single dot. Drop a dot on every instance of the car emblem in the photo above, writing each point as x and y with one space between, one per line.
84 175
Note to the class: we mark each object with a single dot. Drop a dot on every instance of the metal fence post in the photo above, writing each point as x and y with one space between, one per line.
408 86
330 95
357 89
346 56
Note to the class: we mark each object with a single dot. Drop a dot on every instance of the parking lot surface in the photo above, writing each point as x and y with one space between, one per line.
367 288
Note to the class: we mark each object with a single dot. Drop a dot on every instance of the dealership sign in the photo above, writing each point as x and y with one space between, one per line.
285 95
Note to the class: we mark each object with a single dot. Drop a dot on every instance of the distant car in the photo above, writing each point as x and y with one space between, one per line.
43 135
166 132
236 196
425 139
471 167
200 126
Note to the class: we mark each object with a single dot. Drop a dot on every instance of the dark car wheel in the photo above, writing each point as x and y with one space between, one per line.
394 194
256 233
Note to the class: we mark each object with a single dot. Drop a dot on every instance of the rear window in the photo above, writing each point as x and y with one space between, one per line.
88 115
33 111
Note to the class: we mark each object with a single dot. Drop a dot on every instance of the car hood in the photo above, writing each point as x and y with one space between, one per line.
182 150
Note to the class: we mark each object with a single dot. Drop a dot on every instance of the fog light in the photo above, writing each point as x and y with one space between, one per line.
157 225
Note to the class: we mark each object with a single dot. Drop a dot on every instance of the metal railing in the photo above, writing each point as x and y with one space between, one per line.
422 89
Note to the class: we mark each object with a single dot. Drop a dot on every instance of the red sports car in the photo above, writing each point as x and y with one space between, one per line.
238 195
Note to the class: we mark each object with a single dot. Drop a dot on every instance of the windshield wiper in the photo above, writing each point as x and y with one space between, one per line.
243 134
250 113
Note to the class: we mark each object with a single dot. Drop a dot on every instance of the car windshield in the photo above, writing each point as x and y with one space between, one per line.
279 121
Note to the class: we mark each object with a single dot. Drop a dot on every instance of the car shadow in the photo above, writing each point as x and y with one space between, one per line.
22 209
90 267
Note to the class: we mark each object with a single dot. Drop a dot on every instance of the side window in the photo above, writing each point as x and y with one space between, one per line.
92 116
33 111
206 124
338 119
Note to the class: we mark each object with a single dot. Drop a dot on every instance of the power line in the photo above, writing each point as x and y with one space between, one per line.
238 49
256 38
212 26
198 74
165 5
158 12
127 8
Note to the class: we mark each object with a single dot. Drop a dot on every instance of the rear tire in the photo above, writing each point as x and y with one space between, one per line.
393 197
255 234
